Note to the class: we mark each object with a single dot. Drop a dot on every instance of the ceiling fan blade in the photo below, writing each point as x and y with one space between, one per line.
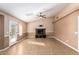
41 15
44 16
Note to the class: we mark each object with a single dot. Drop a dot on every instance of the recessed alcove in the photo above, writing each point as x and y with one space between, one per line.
40 32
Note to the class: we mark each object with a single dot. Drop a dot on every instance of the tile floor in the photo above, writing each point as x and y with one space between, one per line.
39 47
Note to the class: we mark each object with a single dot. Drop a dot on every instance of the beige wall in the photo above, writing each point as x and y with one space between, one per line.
47 23
65 29
7 18
67 10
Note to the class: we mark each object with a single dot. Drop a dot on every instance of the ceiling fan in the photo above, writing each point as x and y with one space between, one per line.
41 15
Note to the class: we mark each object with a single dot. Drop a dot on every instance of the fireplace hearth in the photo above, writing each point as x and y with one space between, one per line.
40 33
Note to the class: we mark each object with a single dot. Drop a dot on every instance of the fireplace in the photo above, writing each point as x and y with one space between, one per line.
40 32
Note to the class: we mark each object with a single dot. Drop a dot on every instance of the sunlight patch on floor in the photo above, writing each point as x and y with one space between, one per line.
36 43
20 50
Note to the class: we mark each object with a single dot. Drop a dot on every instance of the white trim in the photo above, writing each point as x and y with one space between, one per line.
66 44
10 45
52 37
78 31
5 48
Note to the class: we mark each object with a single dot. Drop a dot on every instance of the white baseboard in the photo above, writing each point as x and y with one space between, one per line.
66 44
5 49
52 37
10 46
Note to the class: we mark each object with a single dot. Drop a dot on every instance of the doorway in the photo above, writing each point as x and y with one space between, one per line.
13 32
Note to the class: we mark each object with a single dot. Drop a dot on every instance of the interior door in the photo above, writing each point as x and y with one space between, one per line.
13 31
1 31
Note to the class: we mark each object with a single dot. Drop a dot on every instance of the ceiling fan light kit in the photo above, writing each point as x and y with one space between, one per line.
41 15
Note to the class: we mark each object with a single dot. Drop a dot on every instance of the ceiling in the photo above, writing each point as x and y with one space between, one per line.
28 11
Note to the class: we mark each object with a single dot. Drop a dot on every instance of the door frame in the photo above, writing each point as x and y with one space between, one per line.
10 30
78 31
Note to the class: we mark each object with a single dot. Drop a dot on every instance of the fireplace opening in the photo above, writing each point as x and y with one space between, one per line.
40 32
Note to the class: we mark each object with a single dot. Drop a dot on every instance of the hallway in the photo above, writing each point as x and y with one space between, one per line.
39 47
